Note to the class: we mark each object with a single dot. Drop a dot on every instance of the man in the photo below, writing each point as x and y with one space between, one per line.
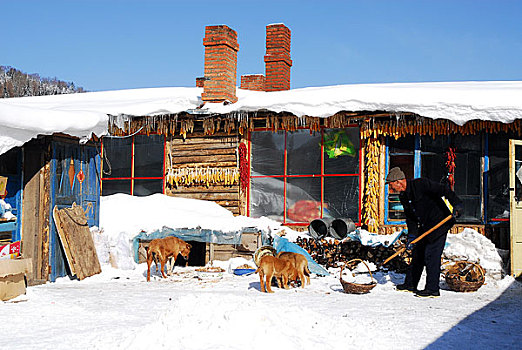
424 208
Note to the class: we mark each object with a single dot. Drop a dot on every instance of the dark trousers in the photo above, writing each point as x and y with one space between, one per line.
427 253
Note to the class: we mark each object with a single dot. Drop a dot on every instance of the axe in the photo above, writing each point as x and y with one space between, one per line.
402 250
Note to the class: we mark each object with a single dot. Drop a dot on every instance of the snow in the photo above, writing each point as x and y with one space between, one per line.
82 114
118 309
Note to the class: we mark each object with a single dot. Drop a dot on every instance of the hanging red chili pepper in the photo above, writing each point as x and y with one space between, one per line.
450 165
243 166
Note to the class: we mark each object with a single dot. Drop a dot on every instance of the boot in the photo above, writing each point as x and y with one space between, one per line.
406 288
426 293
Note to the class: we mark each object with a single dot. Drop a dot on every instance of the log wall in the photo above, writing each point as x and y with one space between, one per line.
199 151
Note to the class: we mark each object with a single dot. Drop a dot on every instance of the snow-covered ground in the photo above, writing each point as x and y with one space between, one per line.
118 309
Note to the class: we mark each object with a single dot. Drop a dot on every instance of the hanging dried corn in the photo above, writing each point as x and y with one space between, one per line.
371 190
196 176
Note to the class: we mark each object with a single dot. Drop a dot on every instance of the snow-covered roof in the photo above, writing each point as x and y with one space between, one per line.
86 113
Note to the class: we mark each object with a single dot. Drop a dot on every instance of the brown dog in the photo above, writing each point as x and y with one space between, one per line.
300 263
270 266
164 248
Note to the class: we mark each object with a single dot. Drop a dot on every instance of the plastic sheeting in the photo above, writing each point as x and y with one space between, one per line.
282 244
373 239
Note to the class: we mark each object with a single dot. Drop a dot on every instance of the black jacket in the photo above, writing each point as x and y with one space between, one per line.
424 207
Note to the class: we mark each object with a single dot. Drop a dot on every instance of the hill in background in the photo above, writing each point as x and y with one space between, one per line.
14 83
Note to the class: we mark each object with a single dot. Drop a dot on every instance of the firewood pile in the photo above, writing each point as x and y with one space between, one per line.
332 253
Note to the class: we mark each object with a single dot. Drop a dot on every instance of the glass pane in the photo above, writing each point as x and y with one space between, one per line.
404 145
433 158
303 153
303 199
433 167
268 153
117 157
467 174
395 208
401 154
438 145
116 186
148 155
341 151
266 198
341 197
472 211
498 177
405 162
518 173
147 187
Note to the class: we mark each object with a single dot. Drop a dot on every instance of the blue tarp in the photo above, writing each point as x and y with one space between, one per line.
282 244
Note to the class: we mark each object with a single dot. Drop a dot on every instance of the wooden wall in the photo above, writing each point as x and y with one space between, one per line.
35 210
200 151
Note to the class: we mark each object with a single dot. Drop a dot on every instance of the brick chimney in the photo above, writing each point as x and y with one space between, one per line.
255 82
200 82
277 58
220 64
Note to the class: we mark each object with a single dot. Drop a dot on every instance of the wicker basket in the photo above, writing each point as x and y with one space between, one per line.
464 276
357 288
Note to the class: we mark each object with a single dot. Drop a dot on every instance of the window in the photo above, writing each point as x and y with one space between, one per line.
424 156
133 165
297 176
497 177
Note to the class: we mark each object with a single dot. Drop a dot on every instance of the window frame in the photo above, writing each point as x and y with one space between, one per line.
417 166
132 178
285 176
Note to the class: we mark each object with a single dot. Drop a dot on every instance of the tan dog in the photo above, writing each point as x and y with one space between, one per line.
270 266
164 248
300 263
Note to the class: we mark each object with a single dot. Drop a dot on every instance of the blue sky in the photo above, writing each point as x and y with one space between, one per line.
117 44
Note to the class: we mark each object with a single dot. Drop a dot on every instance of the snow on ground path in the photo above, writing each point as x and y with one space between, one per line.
118 309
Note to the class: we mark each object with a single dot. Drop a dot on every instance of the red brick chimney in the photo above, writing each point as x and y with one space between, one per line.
277 58
220 64
254 82
200 81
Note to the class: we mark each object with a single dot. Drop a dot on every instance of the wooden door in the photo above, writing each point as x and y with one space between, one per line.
515 195
74 179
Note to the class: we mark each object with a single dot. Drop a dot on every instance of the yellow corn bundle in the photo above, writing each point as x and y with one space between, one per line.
186 126
202 177
371 190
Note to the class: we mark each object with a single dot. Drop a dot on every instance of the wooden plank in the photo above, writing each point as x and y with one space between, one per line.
202 152
77 241
218 158
44 218
174 147
210 162
31 233
199 139
209 196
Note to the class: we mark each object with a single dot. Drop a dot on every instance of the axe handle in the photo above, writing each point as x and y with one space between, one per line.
400 251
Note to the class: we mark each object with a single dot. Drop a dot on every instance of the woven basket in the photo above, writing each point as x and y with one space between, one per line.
457 276
356 288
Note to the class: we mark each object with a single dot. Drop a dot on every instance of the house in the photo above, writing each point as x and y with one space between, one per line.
46 166
295 155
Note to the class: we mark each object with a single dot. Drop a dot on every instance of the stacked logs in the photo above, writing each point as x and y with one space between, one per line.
332 253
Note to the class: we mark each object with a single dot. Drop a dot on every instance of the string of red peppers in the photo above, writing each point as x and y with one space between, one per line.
243 166
450 165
